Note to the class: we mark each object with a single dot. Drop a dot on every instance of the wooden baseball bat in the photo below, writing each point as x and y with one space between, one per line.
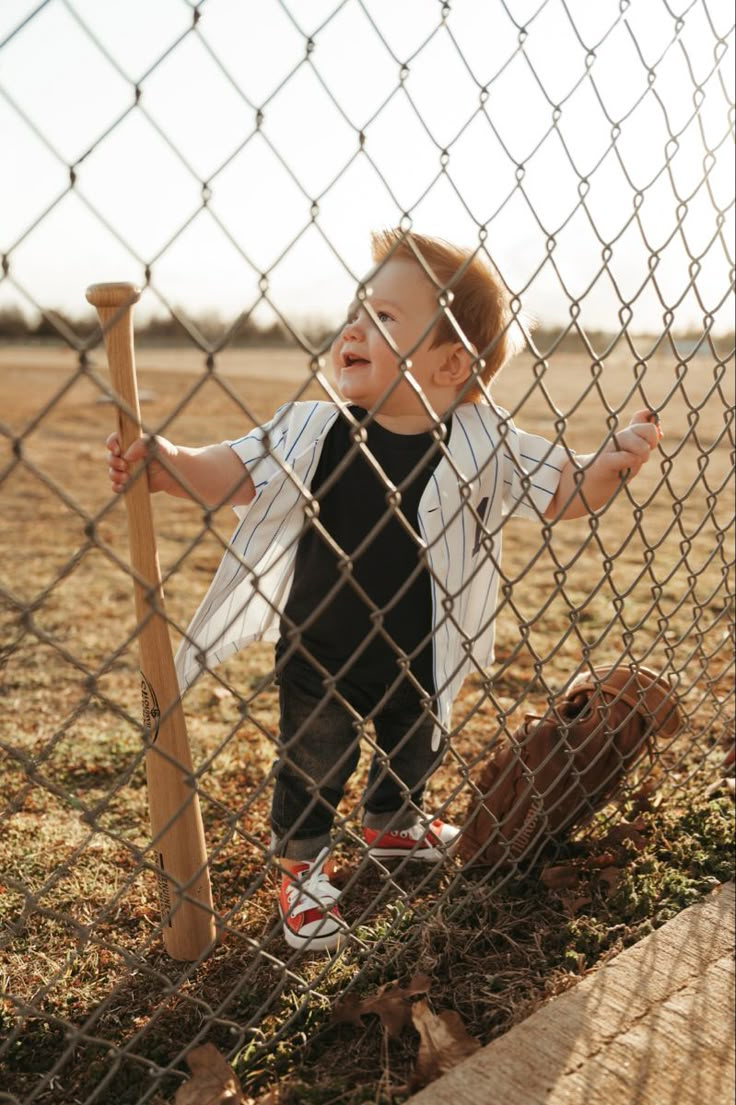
179 846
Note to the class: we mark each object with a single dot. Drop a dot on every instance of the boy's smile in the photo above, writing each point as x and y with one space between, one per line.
366 357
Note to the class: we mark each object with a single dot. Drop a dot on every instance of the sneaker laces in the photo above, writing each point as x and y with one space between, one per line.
313 889
419 831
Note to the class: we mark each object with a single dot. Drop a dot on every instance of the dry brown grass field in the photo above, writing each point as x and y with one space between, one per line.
93 1009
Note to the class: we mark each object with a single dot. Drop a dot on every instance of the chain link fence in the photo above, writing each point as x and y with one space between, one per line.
94 1011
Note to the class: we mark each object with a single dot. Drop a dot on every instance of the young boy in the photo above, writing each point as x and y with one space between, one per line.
368 548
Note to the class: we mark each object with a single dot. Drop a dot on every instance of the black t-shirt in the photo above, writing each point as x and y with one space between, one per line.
351 506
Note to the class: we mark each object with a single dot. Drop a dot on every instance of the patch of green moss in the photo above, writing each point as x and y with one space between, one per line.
686 855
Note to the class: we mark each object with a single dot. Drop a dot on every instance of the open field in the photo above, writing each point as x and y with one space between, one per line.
650 580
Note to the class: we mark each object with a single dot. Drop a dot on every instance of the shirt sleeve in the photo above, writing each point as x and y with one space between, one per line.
262 451
532 469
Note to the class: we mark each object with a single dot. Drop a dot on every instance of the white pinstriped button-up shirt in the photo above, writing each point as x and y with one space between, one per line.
489 470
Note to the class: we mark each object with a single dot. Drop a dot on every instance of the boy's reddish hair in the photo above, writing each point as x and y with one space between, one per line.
480 303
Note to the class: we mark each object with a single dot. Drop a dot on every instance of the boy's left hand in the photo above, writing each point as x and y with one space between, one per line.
632 447
602 473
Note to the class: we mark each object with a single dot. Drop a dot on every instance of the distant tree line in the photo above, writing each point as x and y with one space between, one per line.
548 341
156 330
15 326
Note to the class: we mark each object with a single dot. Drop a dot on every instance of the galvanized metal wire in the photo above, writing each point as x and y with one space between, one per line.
684 568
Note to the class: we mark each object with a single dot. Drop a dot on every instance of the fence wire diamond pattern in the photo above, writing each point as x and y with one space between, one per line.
140 155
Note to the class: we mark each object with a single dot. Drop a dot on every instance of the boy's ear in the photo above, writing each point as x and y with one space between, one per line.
455 367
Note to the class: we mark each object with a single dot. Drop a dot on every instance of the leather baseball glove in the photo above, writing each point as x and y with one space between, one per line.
555 771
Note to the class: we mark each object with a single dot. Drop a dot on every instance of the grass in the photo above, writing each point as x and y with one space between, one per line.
493 954
497 954
92 1010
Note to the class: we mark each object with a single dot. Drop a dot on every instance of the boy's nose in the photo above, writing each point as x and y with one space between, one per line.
352 328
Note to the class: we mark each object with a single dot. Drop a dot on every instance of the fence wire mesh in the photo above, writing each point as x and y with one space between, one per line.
94 1011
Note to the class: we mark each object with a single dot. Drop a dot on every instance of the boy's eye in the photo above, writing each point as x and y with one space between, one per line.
384 316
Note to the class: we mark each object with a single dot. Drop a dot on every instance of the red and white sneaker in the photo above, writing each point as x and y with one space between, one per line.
425 842
308 907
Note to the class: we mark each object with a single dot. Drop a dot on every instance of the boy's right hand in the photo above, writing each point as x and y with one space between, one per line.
119 465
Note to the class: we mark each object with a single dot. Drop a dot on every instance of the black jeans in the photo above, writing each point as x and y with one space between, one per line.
320 749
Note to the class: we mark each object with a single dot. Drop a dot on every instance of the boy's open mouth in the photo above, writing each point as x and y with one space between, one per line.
350 359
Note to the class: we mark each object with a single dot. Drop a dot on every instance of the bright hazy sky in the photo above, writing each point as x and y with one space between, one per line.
568 128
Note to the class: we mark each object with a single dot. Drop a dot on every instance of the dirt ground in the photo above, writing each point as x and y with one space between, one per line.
650 580
648 574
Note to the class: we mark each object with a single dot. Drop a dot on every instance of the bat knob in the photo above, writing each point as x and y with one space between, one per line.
113 295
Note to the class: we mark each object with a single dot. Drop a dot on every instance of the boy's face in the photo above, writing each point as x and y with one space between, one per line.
404 300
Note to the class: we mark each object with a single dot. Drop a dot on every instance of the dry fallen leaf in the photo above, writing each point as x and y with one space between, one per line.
213 1080
605 859
390 1003
610 877
348 1010
444 1042
560 878
630 831
648 797
574 905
